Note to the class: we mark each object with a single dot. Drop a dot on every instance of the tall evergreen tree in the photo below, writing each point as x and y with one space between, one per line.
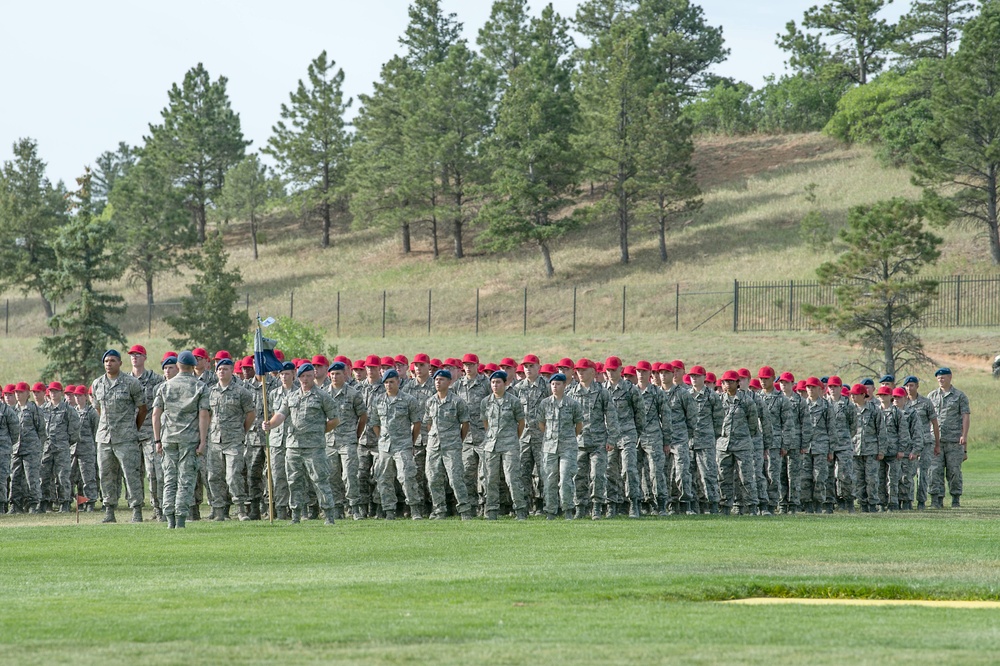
429 34
110 166
31 210
505 38
249 190
211 317
198 141
154 230
959 158
85 258
682 44
535 164
932 27
310 142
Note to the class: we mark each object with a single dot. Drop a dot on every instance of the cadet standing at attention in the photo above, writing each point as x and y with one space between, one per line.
181 418
561 422
448 424
953 415
503 423
342 443
233 413
395 419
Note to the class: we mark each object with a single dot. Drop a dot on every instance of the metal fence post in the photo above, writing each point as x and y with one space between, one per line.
791 301
623 309
958 299
736 306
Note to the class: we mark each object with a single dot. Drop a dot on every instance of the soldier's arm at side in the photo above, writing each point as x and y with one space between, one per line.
157 414
204 420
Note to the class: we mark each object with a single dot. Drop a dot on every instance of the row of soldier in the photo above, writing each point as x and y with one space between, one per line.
382 436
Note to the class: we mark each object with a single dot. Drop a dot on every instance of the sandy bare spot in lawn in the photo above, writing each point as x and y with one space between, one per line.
935 603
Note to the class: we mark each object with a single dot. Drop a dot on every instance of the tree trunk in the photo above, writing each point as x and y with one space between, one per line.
47 306
326 225
623 224
253 235
663 238
547 257
434 235
149 290
991 214
887 346
406 238
201 221
459 253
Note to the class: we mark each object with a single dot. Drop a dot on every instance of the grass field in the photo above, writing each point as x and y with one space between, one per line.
451 592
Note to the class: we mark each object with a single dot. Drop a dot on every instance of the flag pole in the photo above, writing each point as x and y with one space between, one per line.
267 438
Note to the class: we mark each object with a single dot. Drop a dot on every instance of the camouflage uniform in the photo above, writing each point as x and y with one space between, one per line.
26 460
444 451
84 455
908 467
501 447
740 424
950 407
657 433
791 467
342 447
869 442
815 463
531 395
762 441
683 417
473 459
623 467
62 428
395 416
600 429
306 414
707 429
10 431
897 438
182 400
420 392
779 415
926 413
118 453
559 446
224 450
254 456
368 448
153 461
840 477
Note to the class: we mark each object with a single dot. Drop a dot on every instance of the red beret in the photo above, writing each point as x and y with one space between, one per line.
137 349
730 376
531 358
755 383
643 365
583 364
402 360
319 359
859 389
221 354
814 382
55 386
743 373
629 370
612 363
200 352
883 390
421 358
39 387
676 365
787 377
387 362
697 370
765 372
470 358
565 363
548 369
710 377
834 381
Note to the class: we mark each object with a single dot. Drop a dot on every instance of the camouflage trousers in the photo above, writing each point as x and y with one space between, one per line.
473 460
815 467
840 476
420 462
907 470
279 477
444 468
303 466
706 471
510 462
55 472
390 467
225 475
343 461
5 460
560 470
948 466
591 478
866 480
888 480
678 470
118 460
790 488
154 472
255 465
925 464
759 471
531 468
180 471
772 475
367 487
655 464
736 477
623 472
83 472
26 477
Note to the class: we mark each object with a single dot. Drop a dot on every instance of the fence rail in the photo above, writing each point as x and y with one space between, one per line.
547 310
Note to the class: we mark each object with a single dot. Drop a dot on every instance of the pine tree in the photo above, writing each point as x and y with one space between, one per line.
85 257
31 211
863 39
959 158
198 141
535 164
210 317
249 191
310 143
505 38
932 27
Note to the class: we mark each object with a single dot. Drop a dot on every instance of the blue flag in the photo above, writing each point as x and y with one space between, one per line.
264 360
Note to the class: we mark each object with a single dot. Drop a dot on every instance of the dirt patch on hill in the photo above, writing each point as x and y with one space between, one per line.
721 160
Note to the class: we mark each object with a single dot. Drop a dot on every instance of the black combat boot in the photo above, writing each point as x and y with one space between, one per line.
66 507
193 514
328 514
109 514
634 510
171 521
521 514
181 521
955 502
713 508
314 512
137 514
296 516
491 515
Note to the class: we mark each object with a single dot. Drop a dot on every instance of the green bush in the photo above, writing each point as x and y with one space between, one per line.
296 339
798 103
723 109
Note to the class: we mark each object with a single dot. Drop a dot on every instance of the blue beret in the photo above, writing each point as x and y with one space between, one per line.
305 367
223 361
911 380
887 378
111 352
558 377
867 382
337 366
499 374
288 365
187 358
170 360
824 380
390 374
942 371
442 373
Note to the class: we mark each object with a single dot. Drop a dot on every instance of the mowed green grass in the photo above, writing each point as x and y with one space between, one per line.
452 592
